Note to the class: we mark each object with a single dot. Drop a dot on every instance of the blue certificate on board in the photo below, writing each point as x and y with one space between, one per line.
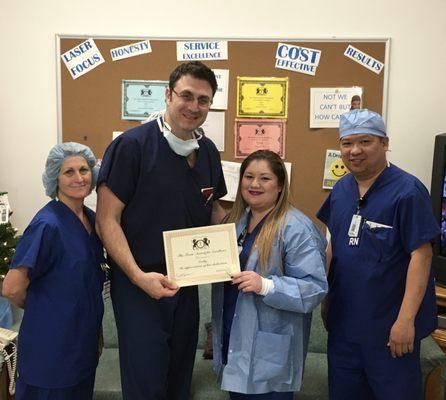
142 98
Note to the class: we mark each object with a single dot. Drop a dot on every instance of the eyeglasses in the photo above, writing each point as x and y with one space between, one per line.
188 97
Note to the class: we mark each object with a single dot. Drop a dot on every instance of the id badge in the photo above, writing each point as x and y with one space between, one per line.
355 225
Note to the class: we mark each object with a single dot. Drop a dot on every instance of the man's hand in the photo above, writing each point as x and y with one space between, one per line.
248 281
156 285
401 338
402 333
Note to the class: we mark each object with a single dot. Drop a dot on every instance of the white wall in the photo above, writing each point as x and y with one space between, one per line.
28 111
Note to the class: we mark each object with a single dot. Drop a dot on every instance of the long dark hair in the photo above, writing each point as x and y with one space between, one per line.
273 223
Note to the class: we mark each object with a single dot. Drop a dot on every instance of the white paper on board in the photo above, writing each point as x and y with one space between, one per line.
214 128
231 172
116 134
328 104
220 101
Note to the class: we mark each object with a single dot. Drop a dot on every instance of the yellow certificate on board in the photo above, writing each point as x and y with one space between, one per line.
262 97
202 255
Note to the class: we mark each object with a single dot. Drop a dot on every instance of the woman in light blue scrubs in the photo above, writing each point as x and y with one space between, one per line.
261 320
56 277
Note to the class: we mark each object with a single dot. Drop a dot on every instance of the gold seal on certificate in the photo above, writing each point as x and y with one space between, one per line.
201 255
262 97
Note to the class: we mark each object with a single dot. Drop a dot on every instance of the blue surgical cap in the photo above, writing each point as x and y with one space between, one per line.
361 122
55 159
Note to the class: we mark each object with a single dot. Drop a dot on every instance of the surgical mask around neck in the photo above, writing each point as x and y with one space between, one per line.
179 146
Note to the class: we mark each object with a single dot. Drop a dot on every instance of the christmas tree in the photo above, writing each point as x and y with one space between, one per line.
8 243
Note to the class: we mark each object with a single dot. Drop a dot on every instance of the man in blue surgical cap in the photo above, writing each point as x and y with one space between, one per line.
381 301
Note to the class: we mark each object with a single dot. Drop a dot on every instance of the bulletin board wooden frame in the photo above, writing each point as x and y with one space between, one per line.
89 108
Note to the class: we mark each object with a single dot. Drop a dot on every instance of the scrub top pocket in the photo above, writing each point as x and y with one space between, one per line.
378 243
271 358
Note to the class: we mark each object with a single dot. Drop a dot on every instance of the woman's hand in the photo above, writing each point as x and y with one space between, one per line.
248 281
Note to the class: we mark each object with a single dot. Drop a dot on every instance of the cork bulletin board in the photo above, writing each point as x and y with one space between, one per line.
89 108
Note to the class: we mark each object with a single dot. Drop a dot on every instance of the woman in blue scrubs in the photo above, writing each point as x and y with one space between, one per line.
261 320
56 277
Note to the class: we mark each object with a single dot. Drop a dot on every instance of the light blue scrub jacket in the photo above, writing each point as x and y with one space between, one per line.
269 335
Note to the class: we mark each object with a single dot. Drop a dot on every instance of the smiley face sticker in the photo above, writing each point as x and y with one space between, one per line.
334 169
338 169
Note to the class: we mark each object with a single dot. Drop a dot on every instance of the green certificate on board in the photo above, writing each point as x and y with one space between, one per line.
262 97
142 98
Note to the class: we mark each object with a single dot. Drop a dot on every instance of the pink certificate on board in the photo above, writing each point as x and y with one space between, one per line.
259 134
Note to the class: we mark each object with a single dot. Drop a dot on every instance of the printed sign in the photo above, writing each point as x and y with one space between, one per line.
202 50
334 169
327 105
130 50
297 58
82 59
364 59
220 101
214 128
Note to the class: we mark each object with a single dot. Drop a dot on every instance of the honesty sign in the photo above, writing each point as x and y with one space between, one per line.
130 50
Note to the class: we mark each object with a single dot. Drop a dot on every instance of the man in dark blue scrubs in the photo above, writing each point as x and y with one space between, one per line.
381 301
160 176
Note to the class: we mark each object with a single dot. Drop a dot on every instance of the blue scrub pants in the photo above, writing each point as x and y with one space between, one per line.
81 391
157 340
364 372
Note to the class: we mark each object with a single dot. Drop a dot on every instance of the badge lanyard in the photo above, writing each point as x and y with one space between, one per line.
246 240
355 224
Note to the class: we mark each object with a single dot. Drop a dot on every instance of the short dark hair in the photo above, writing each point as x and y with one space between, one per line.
198 70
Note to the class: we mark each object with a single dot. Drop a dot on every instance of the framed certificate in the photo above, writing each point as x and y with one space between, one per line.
259 134
142 98
201 255
262 97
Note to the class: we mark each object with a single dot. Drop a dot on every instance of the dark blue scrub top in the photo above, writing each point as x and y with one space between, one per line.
63 311
367 281
159 189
